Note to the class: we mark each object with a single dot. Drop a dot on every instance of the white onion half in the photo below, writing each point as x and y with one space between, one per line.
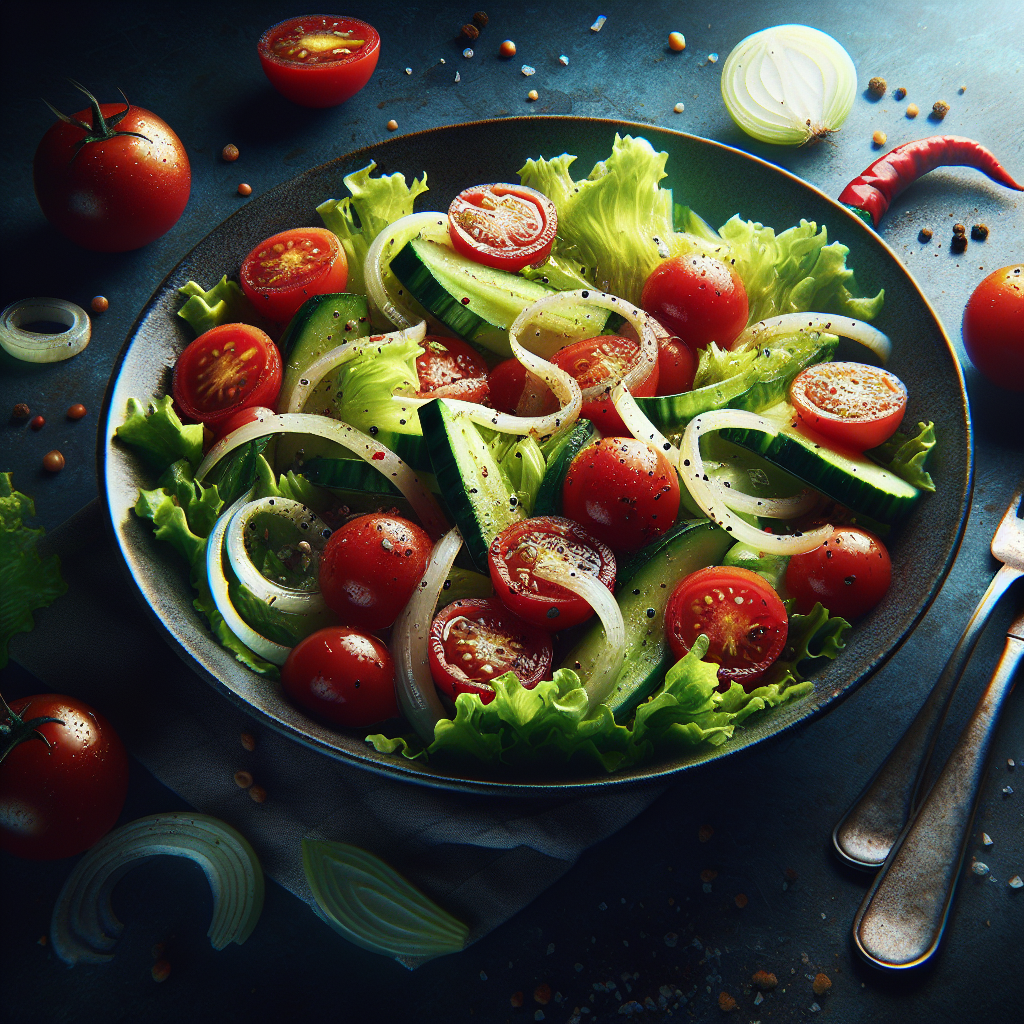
367 448
713 502
35 347
821 323
414 685
298 394
309 526
574 576
789 84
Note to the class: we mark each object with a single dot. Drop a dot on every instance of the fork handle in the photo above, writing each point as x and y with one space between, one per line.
866 833
900 923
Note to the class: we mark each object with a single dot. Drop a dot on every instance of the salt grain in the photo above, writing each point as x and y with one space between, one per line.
563 60
467 53
979 868
458 77
679 108
1007 790
408 71
986 839
599 24
527 70
1016 882
712 58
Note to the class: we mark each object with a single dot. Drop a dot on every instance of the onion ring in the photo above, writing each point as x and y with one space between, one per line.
33 347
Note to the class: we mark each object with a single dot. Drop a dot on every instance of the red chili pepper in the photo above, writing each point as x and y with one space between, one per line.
870 193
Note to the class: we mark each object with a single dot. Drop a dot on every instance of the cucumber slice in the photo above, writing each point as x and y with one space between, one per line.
549 497
766 383
479 303
851 479
646 583
469 478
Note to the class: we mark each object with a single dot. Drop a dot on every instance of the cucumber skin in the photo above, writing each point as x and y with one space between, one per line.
655 572
549 496
799 456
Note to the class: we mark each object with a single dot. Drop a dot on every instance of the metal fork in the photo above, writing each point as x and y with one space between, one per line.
869 829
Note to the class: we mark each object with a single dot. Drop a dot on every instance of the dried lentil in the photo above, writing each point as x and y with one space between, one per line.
959 243
244 189
507 48
76 411
924 235
532 95
676 41
959 229
53 462
940 109
726 1003
979 232
764 979
878 138
912 110
542 994
878 86
229 153
21 412
392 125
99 304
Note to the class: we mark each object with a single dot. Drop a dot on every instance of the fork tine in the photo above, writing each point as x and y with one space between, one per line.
1008 541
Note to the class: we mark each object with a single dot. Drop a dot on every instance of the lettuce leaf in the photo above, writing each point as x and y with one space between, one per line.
907 456
27 582
158 436
224 303
812 637
364 388
374 203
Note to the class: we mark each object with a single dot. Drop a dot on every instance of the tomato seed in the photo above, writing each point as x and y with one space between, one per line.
76 411
53 462
244 189
37 423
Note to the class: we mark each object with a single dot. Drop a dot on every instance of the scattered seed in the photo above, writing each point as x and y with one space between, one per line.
458 76
248 740
532 96
507 48
563 60
741 900
821 984
161 971
980 868
940 109
527 70
979 232
764 979
986 839
467 52
258 794
1010 763
229 153
912 110
99 304
1007 790
726 1003
758 999
878 138
243 780
37 423
959 243
53 462
900 93
712 58
392 125
21 412
877 87
959 229
408 71
470 31
924 235
676 41
599 24
76 411
480 19
244 189
542 994
679 108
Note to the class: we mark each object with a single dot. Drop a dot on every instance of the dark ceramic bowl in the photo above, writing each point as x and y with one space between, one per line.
714 180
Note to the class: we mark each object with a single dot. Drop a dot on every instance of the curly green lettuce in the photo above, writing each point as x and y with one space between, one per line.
907 456
224 303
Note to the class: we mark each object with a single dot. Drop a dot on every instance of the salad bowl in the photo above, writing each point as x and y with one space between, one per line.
716 181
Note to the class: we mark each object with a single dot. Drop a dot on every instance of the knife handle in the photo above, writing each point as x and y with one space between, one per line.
866 833
900 923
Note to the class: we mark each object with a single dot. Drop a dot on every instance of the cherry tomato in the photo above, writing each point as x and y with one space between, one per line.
288 268
506 383
594 360
475 640
342 676
109 190
319 61
856 406
622 491
503 226
370 567
513 556
61 797
445 361
469 389
849 574
225 370
677 365
697 298
739 613
993 327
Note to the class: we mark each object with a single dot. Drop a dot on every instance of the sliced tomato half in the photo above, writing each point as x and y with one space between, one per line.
445 361
288 268
738 611
225 370
475 640
513 556
507 227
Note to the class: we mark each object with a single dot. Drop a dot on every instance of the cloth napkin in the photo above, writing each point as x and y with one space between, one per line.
482 858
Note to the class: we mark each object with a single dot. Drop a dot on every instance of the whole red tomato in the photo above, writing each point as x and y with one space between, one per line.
994 327
61 797
112 178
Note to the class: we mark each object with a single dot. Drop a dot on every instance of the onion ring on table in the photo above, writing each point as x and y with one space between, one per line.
367 448
298 395
310 526
410 637
36 347
822 323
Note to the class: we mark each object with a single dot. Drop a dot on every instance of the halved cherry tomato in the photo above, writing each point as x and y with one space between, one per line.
225 370
993 327
677 364
475 640
288 268
594 360
849 574
319 61
621 491
738 611
503 226
513 556
697 298
855 405
506 383
445 361
370 567
342 676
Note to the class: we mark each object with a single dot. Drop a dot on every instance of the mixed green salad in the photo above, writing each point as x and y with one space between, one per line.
252 502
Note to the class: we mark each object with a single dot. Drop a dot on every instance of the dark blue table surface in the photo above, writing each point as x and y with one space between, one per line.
772 810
